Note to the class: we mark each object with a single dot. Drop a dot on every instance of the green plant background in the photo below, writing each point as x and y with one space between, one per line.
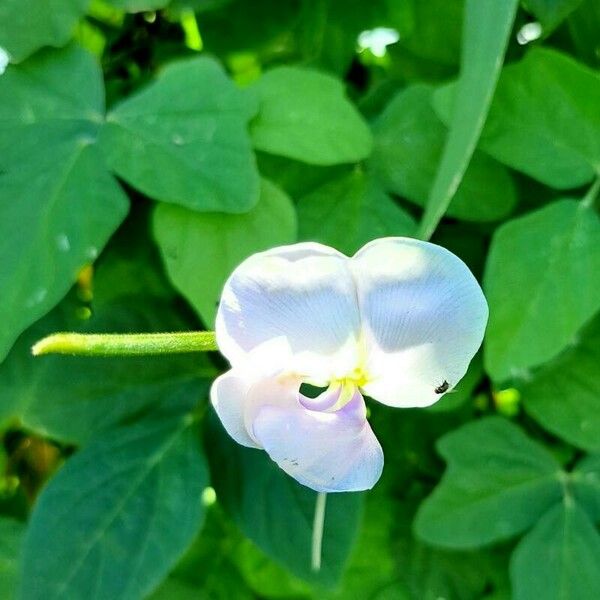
148 146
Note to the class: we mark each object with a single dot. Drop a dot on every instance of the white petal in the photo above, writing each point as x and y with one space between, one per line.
304 293
326 451
423 317
238 394
228 395
4 60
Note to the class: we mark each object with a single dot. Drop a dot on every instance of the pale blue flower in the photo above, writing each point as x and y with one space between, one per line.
399 322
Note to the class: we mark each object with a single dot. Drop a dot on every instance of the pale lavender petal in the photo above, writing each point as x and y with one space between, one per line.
228 395
324 401
238 395
326 451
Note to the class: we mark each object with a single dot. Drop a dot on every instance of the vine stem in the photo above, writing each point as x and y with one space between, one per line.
129 344
590 197
317 533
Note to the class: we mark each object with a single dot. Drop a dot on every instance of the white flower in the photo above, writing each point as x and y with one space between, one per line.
4 60
399 322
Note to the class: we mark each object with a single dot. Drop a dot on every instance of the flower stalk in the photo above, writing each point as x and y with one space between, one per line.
592 193
317 532
130 344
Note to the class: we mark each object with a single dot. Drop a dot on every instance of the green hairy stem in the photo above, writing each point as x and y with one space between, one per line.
130 344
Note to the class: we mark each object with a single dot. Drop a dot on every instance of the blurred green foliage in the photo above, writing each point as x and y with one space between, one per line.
149 146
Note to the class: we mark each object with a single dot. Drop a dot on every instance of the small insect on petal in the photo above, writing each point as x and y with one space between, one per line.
440 389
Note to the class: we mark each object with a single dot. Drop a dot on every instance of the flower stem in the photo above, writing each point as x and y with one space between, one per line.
129 344
590 197
317 533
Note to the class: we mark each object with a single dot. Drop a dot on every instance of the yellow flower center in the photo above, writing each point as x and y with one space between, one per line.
358 377
354 380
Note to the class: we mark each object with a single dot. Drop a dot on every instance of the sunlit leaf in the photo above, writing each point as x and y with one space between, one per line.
183 139
542 282
303 114
264 576
139 5
201 250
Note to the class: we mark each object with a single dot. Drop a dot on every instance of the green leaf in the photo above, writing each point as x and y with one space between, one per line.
207 569
231 26
348 212
584 25
585 479
304 115
135 6
373 570
486 31
118 515
131 265
11 535
264 576
433 573
430 573
201 250
435 31
408 145
276 512
564 396
544 119
327 31
496 484
72 398
550 13
297 178
53 182
177 589
559 559
27 25
183 139
542 282
469 243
